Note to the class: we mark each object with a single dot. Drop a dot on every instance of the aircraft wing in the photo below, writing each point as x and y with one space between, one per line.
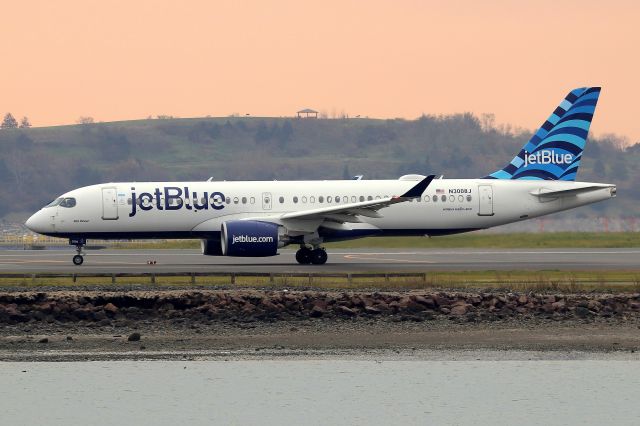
349 212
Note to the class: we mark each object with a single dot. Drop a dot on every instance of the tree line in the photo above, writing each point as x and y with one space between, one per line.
36 166
10 122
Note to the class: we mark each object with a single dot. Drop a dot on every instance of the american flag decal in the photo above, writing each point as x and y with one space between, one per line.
439 191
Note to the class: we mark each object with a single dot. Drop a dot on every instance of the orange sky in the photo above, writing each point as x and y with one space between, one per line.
116 60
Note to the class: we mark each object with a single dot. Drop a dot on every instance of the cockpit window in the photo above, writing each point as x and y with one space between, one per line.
54 203
68 202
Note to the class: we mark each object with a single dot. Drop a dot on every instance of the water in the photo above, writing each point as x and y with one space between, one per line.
321 392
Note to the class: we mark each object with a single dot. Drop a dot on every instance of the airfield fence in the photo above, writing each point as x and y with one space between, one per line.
152 277
284 279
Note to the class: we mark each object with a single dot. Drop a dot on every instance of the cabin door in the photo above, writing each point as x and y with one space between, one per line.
485 196
109 204
266 201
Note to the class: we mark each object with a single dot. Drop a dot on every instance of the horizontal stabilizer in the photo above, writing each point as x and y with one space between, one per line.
546 192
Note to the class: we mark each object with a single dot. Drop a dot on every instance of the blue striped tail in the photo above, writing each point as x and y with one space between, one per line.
555 150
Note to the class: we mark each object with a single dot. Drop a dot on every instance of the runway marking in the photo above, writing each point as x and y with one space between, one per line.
349 256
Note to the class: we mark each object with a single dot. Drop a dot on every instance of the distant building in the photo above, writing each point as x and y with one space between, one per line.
307 113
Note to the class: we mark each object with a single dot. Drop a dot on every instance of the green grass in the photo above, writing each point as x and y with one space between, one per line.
521 281
470 240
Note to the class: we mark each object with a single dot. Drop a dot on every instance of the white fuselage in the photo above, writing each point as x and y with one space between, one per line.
198 209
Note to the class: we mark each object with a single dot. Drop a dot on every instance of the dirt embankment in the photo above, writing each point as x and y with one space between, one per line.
118 308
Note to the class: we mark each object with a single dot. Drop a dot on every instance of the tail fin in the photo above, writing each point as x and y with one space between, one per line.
555 151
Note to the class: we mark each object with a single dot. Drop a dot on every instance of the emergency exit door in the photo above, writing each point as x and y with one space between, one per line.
485 197
266 201
109 204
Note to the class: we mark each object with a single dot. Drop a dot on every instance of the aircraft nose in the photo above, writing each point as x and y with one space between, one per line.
36 223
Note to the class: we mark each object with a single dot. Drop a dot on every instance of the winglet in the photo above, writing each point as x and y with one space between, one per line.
417 190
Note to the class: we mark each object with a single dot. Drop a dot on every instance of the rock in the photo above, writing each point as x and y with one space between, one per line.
582 312
372 310
346 311
459 309
442 300
69 338
408 305
426 301
110 308
43 340
316 312
134 337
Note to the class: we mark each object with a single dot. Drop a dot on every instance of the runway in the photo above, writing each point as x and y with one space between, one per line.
352 260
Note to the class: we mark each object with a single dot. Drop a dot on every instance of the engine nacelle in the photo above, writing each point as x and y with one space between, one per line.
250 238
211 247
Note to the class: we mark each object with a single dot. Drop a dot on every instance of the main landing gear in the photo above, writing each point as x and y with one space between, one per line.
306 256
78 259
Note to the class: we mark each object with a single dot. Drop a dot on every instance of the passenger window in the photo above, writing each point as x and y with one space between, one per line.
244 200
337 198
443 198
228 200
469 198
129 201
235 200
435 198
452 198
377 197
281 199
427 198
329 199
312 199
361 198
304 200
321 199
252 200
369 198
353 198
460 198
295 200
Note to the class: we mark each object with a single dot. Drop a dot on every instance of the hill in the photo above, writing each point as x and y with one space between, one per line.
37 164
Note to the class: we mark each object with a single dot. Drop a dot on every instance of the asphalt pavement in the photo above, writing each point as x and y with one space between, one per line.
352 260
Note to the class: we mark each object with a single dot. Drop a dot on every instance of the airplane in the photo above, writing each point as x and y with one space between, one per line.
250 219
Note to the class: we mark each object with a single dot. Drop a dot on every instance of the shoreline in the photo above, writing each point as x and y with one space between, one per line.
66 325
325 340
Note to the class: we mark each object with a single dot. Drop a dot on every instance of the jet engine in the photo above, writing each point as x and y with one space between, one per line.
211 247
251 238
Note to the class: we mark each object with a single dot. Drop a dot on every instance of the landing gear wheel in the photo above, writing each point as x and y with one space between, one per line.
303 256
319 256
77 260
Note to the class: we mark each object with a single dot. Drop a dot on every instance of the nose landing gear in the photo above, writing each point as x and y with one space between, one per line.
78 259
306 256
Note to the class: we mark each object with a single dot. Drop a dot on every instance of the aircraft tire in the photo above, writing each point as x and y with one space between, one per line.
77 260
303 256
319 256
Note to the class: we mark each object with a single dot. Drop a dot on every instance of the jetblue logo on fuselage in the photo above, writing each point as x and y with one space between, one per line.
174 198
547 157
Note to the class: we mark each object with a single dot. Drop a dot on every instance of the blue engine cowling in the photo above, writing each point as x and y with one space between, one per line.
249 238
